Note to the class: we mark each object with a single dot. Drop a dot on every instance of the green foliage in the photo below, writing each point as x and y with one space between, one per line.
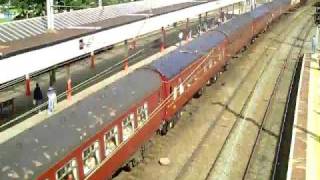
33 8
3 20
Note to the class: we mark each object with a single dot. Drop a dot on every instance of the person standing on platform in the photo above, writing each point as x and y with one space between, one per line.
180 36
37 95
52 99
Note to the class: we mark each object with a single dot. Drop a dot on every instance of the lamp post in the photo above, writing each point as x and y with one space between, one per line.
50 15
317 22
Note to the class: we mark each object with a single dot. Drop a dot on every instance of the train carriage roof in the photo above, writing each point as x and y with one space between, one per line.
34 150
259 11
279 3
234 24
173 63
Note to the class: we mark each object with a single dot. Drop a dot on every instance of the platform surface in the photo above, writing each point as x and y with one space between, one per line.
304 160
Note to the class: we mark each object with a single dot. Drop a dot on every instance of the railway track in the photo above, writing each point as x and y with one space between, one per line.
269 108
207 139
265 123
197 150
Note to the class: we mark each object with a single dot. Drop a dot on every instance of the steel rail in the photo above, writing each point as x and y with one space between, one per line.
213 124
286 113
195 152
270 104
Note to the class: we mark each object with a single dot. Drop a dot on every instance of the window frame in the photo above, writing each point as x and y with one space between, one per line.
142 111
175 93
74 170
131 119
181 89
97 157
115 132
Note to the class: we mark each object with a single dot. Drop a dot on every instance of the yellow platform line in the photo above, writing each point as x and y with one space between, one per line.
313 124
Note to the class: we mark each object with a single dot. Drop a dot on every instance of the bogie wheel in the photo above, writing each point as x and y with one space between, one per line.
172 123
225 67
134 162
164 129
214 79
199 93
129 166
209 83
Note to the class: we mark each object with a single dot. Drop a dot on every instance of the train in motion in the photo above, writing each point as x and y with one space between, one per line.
109 129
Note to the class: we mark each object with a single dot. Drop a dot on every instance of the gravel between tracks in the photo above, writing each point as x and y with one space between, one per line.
182 141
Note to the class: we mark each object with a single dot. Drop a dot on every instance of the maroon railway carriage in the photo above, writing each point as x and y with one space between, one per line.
186 70
277 8
91 138
261 19
238 32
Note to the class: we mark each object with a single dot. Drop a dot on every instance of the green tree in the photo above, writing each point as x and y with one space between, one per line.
33 8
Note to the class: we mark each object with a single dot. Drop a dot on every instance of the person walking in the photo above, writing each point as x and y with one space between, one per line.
37 95
52 99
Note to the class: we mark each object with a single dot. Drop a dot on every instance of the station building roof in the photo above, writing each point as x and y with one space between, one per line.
23 35
21 29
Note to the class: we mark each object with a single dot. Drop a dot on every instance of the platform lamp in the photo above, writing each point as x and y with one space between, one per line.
50 15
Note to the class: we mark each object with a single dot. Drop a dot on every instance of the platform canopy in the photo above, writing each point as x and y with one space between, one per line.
17 30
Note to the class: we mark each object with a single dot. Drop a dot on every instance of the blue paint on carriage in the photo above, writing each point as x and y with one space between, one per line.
173 63
235 25
259 12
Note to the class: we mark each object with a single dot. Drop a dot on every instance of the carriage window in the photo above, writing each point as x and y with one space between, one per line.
142 114
69 171
205 68
223 54
181 88
175 93
210 63
128 127
111 140
91 158
189 82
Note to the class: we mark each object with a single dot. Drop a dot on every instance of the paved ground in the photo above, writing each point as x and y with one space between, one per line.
304 162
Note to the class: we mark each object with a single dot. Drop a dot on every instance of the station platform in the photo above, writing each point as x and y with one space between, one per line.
29 48
14 102
304 159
